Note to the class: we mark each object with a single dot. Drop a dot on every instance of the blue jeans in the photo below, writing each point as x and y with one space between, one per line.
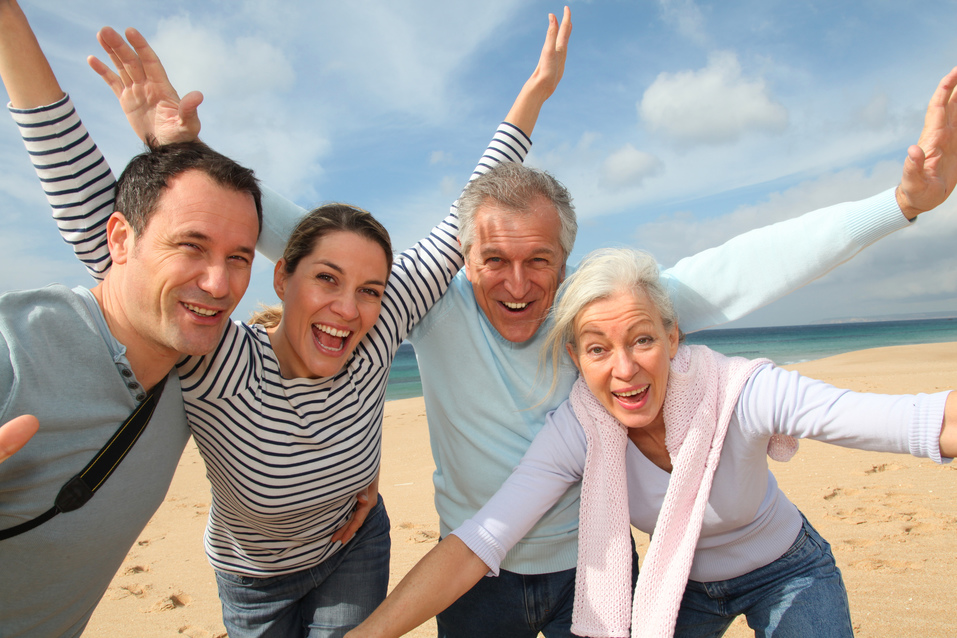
800 594
323 601
517 606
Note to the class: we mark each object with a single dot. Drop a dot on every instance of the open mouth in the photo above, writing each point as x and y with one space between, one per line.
512 306
632 398
331 339
202 312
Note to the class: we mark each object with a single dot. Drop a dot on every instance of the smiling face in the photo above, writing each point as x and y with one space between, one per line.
623 351
185 273
515 265
330 302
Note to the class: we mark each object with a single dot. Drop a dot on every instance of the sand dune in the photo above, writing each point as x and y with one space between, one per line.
891 519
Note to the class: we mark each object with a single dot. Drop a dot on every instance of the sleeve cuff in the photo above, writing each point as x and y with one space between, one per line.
924 438
482 544
876 217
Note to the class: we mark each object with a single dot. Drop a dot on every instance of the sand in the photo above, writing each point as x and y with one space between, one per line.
891 519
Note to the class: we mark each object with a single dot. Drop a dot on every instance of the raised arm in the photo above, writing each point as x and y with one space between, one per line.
26 74
544 80
755 268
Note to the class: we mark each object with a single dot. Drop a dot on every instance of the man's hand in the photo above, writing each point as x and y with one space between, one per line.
152 106
930 170
367 499
15 434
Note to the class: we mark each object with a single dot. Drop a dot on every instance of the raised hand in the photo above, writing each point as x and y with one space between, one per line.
152 106
930 170
546 76
14 434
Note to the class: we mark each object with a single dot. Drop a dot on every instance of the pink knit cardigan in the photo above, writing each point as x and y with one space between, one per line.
703 390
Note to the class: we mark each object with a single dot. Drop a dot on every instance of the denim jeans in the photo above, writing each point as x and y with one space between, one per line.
800 594
323 601
517 606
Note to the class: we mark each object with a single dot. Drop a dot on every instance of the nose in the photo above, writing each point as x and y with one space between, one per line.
516 281
345 306
215 280
624 366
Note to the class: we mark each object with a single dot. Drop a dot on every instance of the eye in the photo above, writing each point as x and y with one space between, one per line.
644 341
326 278
371 292
240 260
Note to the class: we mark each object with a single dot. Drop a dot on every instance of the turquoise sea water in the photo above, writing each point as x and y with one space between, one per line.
782 344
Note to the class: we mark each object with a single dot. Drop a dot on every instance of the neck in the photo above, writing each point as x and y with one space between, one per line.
149 361
650 441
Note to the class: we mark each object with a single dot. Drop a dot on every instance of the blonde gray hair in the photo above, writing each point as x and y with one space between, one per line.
601 274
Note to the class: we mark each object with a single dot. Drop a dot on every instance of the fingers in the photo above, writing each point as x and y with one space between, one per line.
15 434
115 46
347 531
112 79
188 113
565 31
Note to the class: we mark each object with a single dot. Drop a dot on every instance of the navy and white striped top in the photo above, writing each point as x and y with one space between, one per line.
285 457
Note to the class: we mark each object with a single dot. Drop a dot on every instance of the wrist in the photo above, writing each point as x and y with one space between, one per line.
910 211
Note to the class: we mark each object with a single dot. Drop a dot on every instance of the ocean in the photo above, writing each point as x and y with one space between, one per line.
781 344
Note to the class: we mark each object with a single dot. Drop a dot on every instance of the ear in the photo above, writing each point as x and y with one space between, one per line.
279 279
674 340
573 356
120 238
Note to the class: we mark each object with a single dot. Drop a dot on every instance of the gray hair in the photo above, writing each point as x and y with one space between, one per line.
514 186
601 274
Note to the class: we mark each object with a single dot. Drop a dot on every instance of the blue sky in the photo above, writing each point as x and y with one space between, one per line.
678 124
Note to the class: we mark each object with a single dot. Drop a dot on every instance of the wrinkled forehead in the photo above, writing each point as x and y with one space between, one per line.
498 227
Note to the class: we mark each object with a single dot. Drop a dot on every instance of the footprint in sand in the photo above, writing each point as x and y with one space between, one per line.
418 534
136 569
173 601
839 491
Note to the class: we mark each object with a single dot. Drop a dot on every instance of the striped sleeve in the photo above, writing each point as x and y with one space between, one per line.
422 274
75 177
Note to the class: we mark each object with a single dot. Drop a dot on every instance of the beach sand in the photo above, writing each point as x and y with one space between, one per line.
891 519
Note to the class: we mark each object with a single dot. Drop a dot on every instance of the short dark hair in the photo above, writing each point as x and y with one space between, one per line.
148 174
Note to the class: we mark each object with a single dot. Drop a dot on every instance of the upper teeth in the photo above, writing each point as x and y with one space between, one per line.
200 311
514 306
632 393
329 330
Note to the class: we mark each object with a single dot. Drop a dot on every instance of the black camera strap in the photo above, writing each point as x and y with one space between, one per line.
81 488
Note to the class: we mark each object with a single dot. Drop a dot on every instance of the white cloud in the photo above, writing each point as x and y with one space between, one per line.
686 17
628 167
202 58
715 105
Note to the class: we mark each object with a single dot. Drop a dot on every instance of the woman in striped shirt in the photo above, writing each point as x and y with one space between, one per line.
286 415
